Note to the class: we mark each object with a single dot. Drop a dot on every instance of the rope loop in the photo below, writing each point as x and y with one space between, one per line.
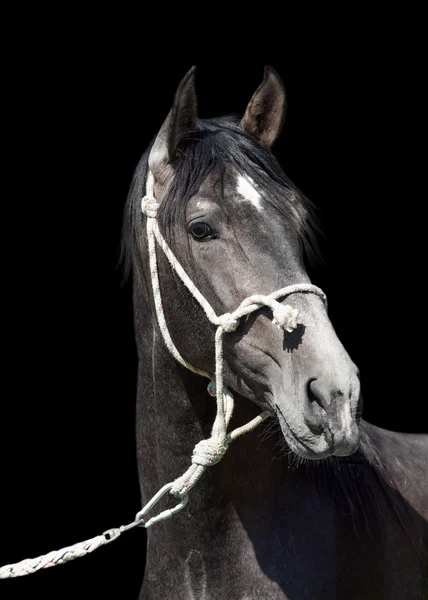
285 317
208 452
228 322
149 206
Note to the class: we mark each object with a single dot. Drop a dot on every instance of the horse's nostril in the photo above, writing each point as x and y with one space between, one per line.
314 410
315 394
311 394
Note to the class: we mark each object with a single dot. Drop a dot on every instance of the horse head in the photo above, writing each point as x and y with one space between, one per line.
239 227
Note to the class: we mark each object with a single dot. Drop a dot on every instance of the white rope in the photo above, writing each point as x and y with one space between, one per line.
58 557
210 451
54 558
207 452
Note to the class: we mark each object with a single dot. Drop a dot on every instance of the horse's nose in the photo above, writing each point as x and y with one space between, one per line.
330 408
315 408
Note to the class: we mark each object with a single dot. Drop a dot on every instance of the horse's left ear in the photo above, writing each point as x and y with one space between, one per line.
265 113
180 121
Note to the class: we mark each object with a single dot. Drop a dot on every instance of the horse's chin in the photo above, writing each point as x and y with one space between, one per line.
313 446
304 443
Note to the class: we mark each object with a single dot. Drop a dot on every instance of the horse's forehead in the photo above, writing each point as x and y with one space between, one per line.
248 191
237 187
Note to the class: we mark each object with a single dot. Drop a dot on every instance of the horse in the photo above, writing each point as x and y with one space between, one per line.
318 503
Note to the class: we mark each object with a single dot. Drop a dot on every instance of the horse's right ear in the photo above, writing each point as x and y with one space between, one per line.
265 113
180 121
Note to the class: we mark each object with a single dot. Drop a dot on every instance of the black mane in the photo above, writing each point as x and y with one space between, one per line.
216 145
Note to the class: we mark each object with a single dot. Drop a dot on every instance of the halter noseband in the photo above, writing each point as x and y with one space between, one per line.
210 451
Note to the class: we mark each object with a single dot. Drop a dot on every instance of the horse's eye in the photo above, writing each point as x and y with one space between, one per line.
201 231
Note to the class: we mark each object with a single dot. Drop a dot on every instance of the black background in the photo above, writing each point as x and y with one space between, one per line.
83 103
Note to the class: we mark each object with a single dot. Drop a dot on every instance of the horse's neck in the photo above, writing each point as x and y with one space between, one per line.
174 412
253 510
240 504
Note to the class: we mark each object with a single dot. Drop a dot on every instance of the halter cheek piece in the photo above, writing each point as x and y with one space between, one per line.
210 451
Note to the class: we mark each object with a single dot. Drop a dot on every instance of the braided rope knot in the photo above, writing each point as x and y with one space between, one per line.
228 322
285 317
149 206
208 452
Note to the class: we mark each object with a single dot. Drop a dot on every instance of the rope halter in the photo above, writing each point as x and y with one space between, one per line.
207 452
210 451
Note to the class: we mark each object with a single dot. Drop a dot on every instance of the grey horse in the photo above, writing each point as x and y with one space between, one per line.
342 510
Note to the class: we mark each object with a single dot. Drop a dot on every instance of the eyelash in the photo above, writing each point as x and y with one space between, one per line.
209 233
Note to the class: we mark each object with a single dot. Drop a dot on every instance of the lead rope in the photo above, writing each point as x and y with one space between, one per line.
207 452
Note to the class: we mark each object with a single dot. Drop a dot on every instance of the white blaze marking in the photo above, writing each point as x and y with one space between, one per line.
247 190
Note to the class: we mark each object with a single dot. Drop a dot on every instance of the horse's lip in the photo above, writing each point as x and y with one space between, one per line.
310 451
299 441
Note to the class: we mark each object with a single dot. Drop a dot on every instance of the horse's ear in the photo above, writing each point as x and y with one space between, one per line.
180 121
265 113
